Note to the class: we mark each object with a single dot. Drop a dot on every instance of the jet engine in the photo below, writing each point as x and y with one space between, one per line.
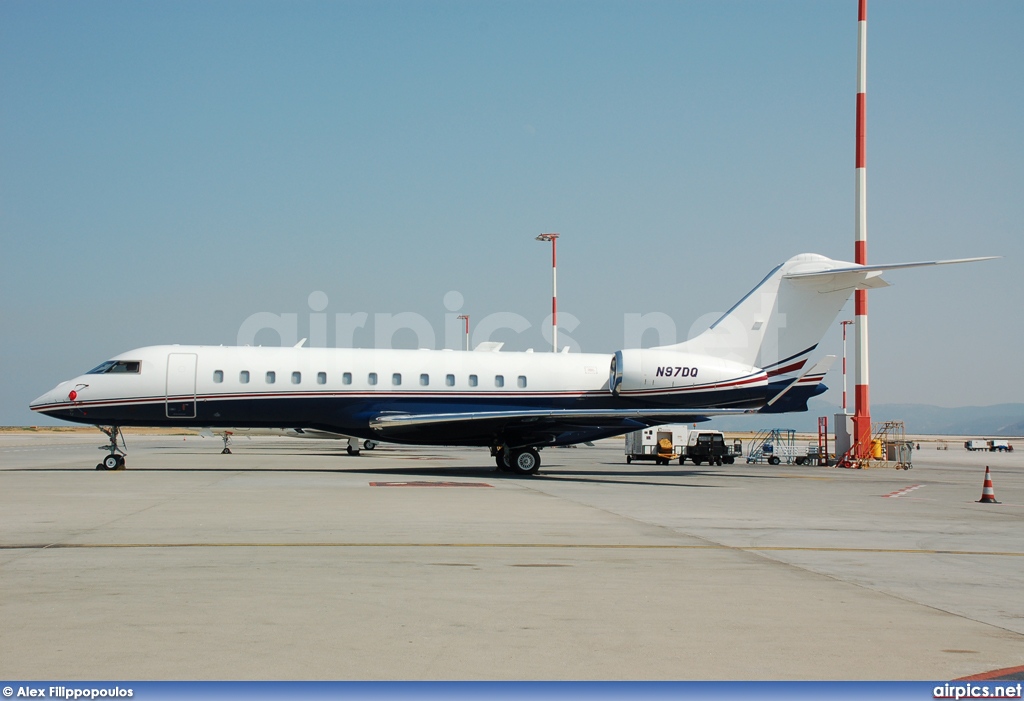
649 371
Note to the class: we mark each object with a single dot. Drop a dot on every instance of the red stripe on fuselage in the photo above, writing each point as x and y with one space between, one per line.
788 368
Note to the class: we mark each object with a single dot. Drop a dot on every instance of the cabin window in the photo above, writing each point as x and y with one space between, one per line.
296 378
424 379
499 380
321 378
243 377
271 377
521 381
346 378
218 376
372 378
472 380
449 380
396 379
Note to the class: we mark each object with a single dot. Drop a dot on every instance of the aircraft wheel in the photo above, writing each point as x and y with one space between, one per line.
112 462
226 451
501 460
99 466
369 445
525 462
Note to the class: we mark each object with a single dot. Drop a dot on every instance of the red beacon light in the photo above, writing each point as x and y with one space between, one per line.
72 395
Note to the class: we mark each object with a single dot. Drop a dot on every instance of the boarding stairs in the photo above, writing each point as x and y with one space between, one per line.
773 446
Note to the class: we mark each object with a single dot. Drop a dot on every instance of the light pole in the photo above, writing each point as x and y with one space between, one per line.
466 317
844 324
553 238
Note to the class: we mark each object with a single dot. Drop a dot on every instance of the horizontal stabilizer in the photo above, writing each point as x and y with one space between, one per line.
864 276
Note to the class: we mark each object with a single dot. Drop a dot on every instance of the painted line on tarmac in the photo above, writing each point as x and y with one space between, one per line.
537 546
900 492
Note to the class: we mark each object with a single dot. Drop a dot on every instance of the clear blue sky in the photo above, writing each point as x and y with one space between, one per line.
168 169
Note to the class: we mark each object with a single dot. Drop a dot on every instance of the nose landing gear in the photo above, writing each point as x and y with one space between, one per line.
353 446
116 459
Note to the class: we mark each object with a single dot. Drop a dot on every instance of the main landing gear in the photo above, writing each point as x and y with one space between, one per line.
115 460
519 461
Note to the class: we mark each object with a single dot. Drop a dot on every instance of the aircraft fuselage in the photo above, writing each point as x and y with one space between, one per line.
343 390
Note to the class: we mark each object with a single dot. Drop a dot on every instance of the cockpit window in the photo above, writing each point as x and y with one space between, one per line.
112 366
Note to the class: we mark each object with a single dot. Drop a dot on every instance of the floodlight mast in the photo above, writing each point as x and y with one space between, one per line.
553 238
862 410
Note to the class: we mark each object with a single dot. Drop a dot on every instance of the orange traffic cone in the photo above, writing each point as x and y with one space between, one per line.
988 495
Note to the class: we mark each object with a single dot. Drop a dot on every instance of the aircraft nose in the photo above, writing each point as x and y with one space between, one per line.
57 395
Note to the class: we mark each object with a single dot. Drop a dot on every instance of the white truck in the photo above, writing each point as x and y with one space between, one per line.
989 445
696 444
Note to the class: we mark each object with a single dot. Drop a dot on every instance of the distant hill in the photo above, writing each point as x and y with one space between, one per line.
981 421
996 420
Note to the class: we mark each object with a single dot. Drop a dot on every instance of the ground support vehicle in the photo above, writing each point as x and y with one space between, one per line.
706 446
814 457
679 442
773 446
992 446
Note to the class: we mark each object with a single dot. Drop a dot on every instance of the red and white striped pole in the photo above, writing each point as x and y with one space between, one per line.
844 325
862 411
553 238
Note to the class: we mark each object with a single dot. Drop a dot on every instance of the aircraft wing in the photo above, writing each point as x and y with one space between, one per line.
531 422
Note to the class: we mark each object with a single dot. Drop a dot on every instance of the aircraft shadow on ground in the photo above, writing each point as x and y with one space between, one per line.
555 473
411 472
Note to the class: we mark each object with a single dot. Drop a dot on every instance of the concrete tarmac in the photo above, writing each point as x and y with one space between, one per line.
291 560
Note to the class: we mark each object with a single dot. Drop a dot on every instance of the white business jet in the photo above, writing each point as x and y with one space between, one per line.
755 358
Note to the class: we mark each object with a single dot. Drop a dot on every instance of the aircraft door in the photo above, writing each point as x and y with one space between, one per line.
181 385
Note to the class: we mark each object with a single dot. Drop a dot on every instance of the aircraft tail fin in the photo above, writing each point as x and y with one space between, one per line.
779 323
